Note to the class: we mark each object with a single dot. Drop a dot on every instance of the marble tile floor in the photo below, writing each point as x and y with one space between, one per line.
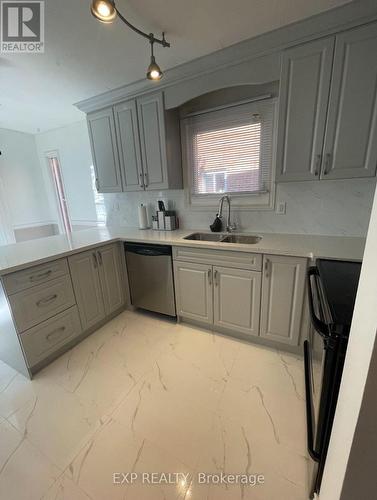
146 395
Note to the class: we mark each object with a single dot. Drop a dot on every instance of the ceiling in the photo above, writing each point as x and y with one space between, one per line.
84 57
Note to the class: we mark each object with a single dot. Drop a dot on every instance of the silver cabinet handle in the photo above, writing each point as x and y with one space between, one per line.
55 332
328 162
266 267
97 184
99 258
215 278
145 179
318 164
141 180
210 276
40 276
95 261
45 302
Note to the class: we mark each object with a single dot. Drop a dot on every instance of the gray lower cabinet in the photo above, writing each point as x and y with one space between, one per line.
97 277
267 303
350 148
193 288
87 287
111 273
236 296
304 94
283 292
101 127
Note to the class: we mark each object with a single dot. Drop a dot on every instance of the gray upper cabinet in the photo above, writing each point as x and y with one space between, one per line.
351 137
136 146
160 143
129 145
103 143
304 92
328 108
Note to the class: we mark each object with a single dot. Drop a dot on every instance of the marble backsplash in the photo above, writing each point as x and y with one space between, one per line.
337 208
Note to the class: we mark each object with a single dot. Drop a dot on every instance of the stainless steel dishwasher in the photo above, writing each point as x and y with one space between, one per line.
150 274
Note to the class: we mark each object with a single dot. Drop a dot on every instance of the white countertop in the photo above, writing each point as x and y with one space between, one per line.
22 255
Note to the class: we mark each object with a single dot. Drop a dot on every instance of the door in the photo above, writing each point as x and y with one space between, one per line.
283 290
304 94
87 287
61 198
126 124
111 275
153 141
351 136
237 296
104 151
193 289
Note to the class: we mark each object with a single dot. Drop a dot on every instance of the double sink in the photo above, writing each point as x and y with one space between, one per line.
225 238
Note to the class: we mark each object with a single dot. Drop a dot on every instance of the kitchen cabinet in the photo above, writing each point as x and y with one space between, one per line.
283 293
328 110
160 143
237 294
97 277
87 287
128 138
111 277
350 148
304 93
136 146
193 288
101 127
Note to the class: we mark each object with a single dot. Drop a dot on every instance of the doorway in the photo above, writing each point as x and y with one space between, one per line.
61 199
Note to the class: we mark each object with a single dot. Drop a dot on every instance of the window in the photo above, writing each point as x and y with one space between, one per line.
229 150
99 200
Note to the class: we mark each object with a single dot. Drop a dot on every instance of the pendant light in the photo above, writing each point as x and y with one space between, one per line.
106 12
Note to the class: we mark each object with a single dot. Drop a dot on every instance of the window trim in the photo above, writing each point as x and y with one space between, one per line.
240 201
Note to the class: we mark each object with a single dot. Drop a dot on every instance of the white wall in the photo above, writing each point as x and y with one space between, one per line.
22 179
360 348
72 143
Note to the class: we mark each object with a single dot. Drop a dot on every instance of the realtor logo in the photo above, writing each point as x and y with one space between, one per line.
22 27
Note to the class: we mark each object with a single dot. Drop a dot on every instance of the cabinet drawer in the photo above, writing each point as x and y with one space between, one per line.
39 303
226 258
22 280
46 338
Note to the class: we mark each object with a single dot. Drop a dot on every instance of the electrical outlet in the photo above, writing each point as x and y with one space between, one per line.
281 208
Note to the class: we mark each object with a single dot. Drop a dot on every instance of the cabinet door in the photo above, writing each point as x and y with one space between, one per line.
104 151
87 287
111 275
304 94
193 289
283 291
153 141
127 129
237 295
351 136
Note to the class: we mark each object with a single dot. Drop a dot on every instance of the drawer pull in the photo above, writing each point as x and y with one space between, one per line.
48 300
37 277
55 332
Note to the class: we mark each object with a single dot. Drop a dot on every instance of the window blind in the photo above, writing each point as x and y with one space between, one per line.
230 150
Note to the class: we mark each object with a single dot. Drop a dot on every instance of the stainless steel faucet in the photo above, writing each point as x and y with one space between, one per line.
229 226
